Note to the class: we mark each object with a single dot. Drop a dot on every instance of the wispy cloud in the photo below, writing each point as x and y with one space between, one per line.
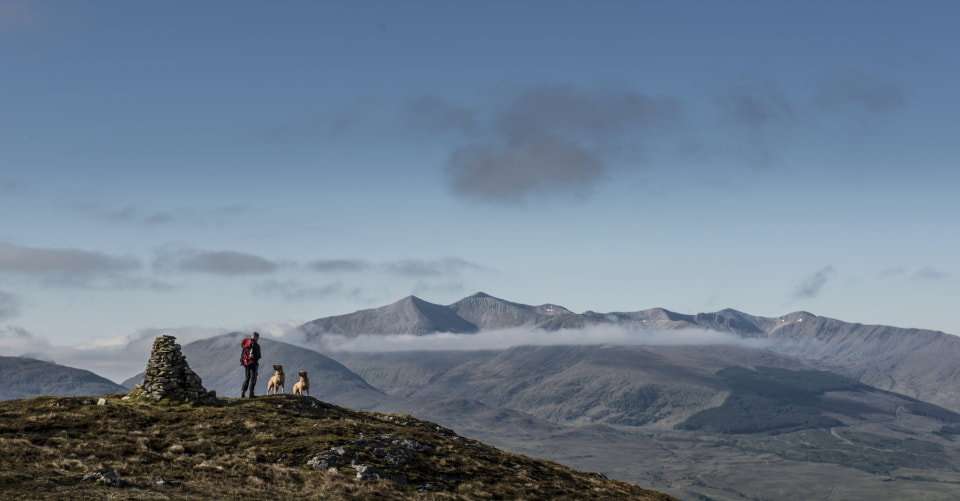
29 260
925 273
928 273
856 91
228 263
9 305
338 265
134 215
437 115
414 268
752 113
139 216
293 291
812 286
433 268
755 106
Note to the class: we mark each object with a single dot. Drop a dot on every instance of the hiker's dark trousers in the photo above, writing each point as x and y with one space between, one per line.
251 379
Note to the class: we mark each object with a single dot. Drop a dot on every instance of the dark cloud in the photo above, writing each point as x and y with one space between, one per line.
548 140
341 265
812 285
27 260
228 263
426 269
508 174
293 291
9 305
860 92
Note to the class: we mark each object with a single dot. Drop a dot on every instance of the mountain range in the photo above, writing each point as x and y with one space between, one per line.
812 407
919 363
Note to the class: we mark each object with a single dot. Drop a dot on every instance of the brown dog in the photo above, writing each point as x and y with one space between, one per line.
276 382
302 386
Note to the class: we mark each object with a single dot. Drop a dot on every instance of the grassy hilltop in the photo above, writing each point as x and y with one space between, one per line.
276 447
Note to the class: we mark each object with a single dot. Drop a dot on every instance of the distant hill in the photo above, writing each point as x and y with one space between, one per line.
675 417
919 363
27 377
410 315
651 386
217 361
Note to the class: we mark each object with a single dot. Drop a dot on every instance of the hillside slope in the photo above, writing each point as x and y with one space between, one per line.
919 363
27 377
278 447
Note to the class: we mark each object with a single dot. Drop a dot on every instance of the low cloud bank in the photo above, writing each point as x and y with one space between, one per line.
508 338
120 357
113 357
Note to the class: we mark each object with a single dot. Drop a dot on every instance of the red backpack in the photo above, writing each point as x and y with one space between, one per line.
246 357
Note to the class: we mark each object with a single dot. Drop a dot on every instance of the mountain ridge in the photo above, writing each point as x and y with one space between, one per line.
915 362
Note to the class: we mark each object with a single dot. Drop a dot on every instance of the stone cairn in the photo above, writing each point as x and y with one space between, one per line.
169 375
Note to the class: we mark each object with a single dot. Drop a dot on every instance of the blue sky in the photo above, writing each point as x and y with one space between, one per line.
234 165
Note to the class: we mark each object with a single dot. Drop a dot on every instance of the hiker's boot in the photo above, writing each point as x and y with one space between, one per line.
251 394
243 394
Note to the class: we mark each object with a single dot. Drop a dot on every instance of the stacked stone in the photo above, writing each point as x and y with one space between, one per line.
169 375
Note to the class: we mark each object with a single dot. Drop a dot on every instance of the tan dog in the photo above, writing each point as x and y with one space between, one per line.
302 386
276 382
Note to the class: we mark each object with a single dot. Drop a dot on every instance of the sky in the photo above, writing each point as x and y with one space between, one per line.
217 166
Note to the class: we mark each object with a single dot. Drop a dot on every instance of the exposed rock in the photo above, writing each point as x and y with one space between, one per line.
370 472
413 445
328 458
106 476
169 375
102 401
161 482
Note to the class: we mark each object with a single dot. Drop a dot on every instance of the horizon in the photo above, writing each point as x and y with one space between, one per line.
110 357
223 166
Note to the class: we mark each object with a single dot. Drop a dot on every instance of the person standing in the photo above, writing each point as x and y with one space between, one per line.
250 360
